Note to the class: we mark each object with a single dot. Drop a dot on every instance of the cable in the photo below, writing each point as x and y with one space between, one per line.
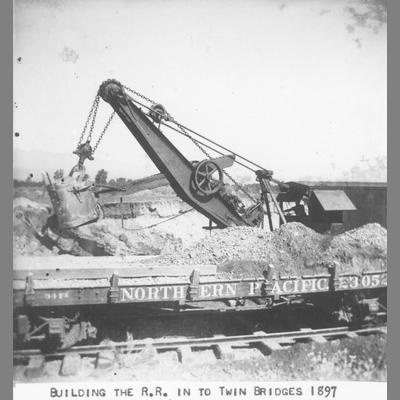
203 137
209 147
159 223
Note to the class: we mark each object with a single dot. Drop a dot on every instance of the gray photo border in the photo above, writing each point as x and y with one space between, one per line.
393 351
6 75
6 171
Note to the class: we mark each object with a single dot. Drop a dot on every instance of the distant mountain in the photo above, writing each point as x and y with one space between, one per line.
34 162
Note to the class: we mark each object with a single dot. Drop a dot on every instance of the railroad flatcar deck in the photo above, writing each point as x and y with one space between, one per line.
55 281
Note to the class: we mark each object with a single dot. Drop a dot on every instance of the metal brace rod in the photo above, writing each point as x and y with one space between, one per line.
268 186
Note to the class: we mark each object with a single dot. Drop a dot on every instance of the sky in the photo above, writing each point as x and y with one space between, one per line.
298 87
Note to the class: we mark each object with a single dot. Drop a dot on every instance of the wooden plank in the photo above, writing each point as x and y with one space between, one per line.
70 267
64 292
61 261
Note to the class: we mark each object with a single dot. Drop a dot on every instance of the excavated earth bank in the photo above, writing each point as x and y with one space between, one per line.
106 237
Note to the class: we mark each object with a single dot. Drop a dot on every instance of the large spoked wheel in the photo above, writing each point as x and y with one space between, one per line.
207 177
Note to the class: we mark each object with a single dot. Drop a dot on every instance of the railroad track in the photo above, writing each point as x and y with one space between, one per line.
223 347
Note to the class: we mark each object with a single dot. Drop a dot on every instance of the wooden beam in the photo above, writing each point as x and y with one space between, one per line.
70 267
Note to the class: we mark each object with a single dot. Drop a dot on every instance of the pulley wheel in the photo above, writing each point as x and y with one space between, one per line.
158 112
207 177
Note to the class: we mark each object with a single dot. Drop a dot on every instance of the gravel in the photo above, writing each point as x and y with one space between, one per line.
292 249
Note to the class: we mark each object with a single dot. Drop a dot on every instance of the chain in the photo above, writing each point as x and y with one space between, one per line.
92 117
139 95
94 104
103 131
96 107
240 187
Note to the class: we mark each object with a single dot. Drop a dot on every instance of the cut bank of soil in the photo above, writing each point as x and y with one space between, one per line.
106 237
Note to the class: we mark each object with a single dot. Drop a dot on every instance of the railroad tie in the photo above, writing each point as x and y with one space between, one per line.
185 353
382 329
267 346
318 339
223 351
313 337
71 364
35 367
105 359
351 335
273 345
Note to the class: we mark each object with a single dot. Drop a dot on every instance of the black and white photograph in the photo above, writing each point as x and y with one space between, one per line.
199 195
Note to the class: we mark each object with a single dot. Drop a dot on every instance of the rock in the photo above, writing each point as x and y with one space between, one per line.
123 238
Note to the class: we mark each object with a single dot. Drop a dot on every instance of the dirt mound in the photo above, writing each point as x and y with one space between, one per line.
370 237
293 249
364 248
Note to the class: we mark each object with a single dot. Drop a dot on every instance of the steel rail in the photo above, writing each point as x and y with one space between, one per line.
173 343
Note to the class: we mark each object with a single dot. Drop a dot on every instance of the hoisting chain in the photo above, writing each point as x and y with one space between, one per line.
94 105
103 131
139 95
97 101
196 143
92 119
